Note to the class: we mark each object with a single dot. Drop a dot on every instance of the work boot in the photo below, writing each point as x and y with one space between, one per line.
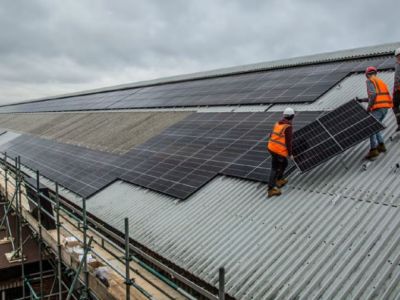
372 154
281 182
274 192
381 148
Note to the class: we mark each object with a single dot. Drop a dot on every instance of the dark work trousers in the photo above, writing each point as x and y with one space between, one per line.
396 106
278 166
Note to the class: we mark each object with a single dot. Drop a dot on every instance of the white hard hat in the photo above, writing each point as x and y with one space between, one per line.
288 111
397 52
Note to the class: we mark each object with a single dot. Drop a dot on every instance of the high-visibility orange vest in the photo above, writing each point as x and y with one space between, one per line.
277 140
383 98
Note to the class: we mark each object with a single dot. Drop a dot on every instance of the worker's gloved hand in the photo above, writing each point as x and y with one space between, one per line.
291 157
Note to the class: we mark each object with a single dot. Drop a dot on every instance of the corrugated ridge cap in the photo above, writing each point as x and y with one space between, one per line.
263 66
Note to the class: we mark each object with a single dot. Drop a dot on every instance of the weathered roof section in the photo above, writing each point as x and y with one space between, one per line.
377 50
115 132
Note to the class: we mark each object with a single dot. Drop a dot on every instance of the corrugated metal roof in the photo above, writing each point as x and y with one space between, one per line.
283 63
305 244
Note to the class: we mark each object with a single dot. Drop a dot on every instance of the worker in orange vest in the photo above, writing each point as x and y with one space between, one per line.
280 148
379 101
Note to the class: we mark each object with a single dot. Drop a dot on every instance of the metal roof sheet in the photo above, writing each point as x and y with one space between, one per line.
305 244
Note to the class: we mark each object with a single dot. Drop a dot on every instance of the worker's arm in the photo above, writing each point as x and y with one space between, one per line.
371 94
289 139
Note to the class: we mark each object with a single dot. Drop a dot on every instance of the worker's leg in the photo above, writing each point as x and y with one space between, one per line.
377 143
377 138
273 190
273 172
373 141
283 163
380 115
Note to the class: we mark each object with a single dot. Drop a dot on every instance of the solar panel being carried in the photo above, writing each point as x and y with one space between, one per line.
333 133
300 84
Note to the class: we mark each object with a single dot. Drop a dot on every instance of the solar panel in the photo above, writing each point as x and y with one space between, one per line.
333 133
279 86
299 84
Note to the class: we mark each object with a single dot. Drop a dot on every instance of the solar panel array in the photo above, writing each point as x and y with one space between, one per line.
290 85
81 170
191 152
177 162
333 133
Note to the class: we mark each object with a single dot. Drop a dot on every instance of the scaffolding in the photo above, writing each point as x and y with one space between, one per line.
76 279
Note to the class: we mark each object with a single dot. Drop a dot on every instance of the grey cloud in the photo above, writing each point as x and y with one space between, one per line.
49 47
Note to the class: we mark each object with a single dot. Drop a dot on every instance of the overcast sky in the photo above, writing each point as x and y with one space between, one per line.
50 47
